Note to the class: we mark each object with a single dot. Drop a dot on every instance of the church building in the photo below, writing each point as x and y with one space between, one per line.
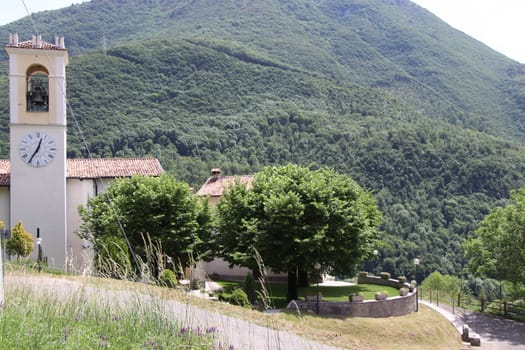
38 185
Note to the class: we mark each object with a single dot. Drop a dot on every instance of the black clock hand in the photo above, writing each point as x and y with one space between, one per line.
36 151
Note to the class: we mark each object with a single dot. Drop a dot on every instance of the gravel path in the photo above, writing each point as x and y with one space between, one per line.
239 333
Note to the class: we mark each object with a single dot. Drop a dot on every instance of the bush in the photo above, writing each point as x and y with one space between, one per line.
403 291
363 274
402 279
21 242
168 279
250 288
385 275
240 298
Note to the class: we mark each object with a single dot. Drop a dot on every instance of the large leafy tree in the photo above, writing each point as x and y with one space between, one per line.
140 209
295 217
497 249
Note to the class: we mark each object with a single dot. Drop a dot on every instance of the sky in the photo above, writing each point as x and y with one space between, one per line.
11 10
496 23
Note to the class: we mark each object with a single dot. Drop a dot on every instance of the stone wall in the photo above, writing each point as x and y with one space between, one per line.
381 281
393 306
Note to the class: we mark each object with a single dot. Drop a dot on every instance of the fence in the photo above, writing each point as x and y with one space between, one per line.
507 309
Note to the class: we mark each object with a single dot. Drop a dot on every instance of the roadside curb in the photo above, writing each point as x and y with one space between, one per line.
465 332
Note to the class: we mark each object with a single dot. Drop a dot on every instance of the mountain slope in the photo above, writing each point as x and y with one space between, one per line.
395 45
426 118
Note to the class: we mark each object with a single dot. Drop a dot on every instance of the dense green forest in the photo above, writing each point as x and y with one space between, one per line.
429 120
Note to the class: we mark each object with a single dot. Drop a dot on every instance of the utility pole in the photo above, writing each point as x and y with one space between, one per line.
4 234
2 238
1 273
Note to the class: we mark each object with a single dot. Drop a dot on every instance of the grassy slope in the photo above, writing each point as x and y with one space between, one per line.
423 330
270 82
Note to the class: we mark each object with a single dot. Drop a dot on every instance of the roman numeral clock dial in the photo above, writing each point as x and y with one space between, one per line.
37 149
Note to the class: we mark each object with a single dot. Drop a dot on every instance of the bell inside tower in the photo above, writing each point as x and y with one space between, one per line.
38 92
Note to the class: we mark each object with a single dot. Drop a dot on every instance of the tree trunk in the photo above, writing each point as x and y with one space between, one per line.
293 289
303 278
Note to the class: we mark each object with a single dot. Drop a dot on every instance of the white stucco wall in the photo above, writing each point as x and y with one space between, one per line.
4 206
38 195
78 193
80 255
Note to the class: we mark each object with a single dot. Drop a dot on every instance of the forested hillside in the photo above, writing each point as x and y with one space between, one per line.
431 121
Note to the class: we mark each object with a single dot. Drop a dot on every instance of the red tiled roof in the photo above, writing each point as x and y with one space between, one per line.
5 171
215 185
93 168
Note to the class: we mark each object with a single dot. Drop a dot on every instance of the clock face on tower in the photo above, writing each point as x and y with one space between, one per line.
37 149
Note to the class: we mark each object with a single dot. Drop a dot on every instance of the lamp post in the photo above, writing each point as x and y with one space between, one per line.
39 245
416 263
376 255
317 268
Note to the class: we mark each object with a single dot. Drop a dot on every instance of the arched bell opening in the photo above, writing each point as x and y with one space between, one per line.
37 89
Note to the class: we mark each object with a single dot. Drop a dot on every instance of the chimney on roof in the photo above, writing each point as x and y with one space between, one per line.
215 173
37 41
59 42
13 39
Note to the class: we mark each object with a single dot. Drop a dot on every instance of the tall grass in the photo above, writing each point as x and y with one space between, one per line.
71 317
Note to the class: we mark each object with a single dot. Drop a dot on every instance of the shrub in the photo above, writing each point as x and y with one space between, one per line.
385 275
21 242
402 279
240 298
250 288
168 279
363 274
403 291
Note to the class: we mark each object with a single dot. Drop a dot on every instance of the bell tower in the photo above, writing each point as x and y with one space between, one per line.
37 98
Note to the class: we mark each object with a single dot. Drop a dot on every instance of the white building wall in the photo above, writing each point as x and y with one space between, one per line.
79 254
4 206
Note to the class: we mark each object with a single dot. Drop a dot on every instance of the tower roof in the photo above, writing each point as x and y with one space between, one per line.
36 43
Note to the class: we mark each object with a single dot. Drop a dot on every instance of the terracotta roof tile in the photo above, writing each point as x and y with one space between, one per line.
112 167
5 171
93 168
215 185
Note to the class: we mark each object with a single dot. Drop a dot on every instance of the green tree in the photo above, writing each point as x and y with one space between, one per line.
497 249
160 208
21 242
296 217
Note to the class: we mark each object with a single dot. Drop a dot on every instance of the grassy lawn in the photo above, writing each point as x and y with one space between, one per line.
277 291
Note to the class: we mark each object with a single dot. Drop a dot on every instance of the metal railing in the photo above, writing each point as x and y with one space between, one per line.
507 309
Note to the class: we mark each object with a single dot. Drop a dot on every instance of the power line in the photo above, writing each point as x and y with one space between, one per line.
86 146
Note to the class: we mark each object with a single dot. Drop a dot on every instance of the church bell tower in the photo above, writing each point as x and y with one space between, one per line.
37 97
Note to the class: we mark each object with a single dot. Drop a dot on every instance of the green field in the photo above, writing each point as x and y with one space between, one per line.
277 291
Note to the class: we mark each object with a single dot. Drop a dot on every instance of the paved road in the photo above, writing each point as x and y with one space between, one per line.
496 333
